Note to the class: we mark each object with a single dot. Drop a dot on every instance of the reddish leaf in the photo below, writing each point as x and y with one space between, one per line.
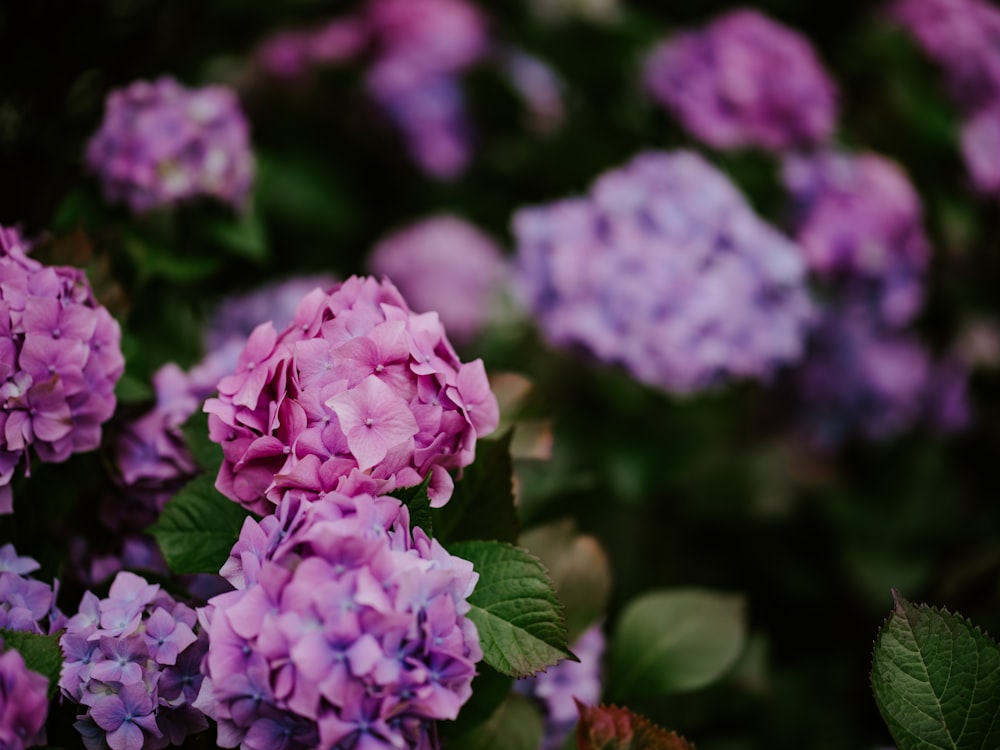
614 728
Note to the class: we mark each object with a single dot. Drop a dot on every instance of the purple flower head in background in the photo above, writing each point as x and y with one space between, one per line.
559 688
24 703
347 630
980 141
26 605
294 54
60 359
860 223
664 268
161 143
447 265
357 393
862 379
744 80
963 38
132 662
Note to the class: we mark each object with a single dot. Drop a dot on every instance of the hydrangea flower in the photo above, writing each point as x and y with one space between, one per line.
860 223
559 688
444 264
161 143
744 80
357 393
346 630
293 54
24 703
664 268
132 661
26 605
60 358
980 142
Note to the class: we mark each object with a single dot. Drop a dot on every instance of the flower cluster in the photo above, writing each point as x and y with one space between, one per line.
24 703
346 630
26 604
133 661
160 144
559 688
444 264
358 393
860 223
60 359
665 269
744 80
963 38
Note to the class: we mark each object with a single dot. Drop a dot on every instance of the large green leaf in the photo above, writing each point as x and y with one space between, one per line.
418 503
515 608
482 506
489 690
672 641
206 453
936 680
198 527
614 728
515 725
41 653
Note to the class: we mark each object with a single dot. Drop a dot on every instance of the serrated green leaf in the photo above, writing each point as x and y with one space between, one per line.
515 725
675 640
515 608
614 728
936 680
198 527
482 506
41 653
206 453
418 502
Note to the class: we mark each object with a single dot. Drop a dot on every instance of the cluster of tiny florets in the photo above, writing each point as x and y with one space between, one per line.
161 143
132 661
60 358
744 80
665 269
346 630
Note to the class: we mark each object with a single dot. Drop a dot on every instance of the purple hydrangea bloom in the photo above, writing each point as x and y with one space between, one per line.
60 358
24 703
559 688
161 143
664 268
980 141
129 661
860 223
357 393
864 379
744 80
538 85
26 605
293 54
963 37
444 264
347 630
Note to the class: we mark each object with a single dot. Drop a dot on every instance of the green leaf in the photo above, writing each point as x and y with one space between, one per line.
482 506
675 640
156 261
516 725
41 653
419 504
198 527
515 609
614 728
936 680
489 690
206 453
240 234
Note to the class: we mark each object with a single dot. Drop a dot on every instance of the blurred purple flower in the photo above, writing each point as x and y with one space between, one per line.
24 703
26 605
59 361
293 54
664 268
980 141
538 85
860 223
447 265
744 80
160 144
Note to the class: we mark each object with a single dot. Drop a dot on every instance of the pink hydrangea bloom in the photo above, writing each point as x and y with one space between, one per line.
744 80
161 143
445 264
664 268
860 223
358 392
347 630
132 661
24 703
60 358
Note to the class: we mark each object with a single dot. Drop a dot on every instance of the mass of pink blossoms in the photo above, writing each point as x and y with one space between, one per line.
60 358
346 630
357 394
161 143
